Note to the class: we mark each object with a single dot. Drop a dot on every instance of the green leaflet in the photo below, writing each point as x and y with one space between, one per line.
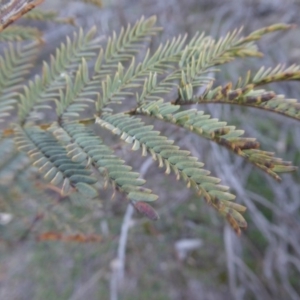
219 132
21 33
139 196
119 49
86 190
101 157
73 157
175 159
52 79
15 64
53 162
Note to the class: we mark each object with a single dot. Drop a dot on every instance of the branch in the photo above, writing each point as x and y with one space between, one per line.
13 12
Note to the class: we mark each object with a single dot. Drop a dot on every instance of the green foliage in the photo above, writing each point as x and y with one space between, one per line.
67 155
20 33
219 132
41 15
16 63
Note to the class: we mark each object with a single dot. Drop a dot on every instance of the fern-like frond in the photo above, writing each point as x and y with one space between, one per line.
53 78
283 106
270 75
70 155
84 147
193 64
21 33
185 166
15 64
165 58
160 62
123 47
41 15
119 50
219 132
53 163
225 50
248 96
68 105
200 58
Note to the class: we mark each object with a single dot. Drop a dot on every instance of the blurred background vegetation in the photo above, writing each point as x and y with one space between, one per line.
190 253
